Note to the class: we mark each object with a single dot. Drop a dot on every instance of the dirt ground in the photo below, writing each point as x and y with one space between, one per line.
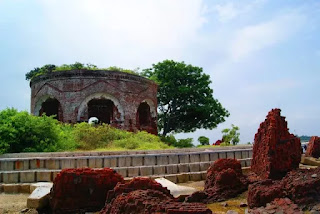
12 203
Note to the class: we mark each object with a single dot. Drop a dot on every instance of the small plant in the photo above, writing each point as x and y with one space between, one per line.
231 135
203 140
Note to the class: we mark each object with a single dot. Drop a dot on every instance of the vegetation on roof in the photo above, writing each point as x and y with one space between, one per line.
49 68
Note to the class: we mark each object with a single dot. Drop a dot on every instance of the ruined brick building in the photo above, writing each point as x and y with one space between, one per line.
120 99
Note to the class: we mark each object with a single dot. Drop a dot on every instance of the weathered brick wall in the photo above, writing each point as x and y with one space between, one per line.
75 89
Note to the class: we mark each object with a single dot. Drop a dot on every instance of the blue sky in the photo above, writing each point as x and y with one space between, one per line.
260 54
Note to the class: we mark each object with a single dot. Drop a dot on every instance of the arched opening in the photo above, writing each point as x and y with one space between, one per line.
51 107
102 109
144 115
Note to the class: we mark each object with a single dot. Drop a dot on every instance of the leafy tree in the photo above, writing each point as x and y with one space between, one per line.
203 140
185 99
231 135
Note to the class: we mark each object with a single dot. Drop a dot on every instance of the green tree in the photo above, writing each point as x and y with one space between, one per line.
185 99
231 135
203 140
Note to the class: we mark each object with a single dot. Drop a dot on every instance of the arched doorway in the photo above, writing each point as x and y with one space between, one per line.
51 107
102 109
144 116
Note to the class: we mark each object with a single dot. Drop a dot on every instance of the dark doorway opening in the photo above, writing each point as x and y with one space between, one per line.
51 107
144 115
101 109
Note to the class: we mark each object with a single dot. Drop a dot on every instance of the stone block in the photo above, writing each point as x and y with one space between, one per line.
95 162
54 174
27 176
183 167
194 158
222 155
82 162
172 169
195 176
172 178
214 156
184 158
183 178
146 170
68 163
242 162
44 175
24 188
162 160
36 164
39 198
133 171
245 154
204 166
1 187
40 184
7 165
250 153
159 170
137 161
230 155
52 163
238 155
194 167
10 177
204 175
21 164
124 161
248 162
173 159
122 171
204 157
110 162
150 160
11 188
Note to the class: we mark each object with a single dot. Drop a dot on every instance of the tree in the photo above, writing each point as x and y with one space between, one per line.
231 135
203 140
185 99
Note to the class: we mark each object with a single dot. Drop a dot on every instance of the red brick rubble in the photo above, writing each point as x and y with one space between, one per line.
224 180
302 186
278 205
143 195
79 190
275 150
313 149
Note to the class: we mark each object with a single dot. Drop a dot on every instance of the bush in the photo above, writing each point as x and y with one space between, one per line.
22 132
203 140
184 143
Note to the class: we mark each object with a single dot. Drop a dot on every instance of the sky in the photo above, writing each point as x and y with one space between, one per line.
260 54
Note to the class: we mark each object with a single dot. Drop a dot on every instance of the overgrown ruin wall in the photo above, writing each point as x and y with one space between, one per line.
120 99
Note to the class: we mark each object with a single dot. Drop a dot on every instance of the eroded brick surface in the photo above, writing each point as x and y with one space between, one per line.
313 149
77 190
120 99
275 150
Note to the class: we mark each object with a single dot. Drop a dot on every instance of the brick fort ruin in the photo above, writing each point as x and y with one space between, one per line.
123 100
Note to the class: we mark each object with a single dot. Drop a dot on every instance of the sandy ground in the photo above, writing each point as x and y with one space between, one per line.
12 203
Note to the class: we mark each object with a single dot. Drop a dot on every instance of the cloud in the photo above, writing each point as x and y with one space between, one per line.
254 38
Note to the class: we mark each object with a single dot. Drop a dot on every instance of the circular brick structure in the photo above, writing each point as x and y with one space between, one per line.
120 99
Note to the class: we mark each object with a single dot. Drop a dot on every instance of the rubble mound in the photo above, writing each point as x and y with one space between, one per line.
136 184
313 149
79 190
302 186
278 205
263 192
143 195
151 201
271 156
224 180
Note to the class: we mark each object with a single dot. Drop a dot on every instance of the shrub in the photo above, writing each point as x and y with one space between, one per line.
184 143
203 140
22 132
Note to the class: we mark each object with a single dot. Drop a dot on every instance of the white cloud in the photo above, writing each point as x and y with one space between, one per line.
254 38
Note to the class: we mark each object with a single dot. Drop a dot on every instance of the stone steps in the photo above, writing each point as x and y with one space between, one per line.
131 160
42 174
